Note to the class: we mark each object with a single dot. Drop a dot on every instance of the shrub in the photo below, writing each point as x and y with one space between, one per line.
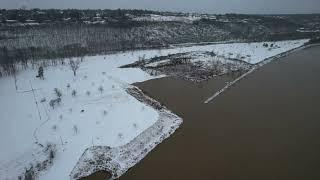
88 93
52 154
75 129
29 174
101 89
54 102
74 93
54 127
120 135
58 92
105 112
135 125
51 150
39 166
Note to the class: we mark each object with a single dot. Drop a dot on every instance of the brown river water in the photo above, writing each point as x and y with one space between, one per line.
267 126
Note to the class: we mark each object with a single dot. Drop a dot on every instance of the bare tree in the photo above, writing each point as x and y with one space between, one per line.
40 73
74 93
75 129
101 89
74 65
55 102
29 174
58 92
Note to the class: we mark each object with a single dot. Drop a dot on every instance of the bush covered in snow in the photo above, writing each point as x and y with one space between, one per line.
54 102
58 92
74 93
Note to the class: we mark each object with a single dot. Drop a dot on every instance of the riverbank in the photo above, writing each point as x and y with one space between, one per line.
256 67
118 160
264 128
48 123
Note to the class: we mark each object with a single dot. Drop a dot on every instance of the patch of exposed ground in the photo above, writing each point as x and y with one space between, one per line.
195 66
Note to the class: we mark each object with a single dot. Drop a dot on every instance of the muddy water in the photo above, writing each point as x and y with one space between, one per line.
100 175
265 127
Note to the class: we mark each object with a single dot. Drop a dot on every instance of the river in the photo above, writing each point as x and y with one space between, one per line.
265 127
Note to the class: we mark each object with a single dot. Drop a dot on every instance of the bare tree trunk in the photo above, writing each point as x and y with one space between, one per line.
15 80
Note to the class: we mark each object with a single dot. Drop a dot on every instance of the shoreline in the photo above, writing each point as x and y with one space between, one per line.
256 67
119 160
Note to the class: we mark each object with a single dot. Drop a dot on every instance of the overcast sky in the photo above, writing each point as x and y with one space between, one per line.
204 6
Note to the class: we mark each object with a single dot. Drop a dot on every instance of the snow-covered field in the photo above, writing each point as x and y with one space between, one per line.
119 159
201 63
110 117
252 52
160 18
101 113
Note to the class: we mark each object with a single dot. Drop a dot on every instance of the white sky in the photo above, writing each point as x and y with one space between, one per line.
209 6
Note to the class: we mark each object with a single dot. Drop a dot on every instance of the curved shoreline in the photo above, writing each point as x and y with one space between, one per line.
118 160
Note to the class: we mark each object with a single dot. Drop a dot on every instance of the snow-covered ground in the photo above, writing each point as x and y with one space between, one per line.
101 113
110 117
252 52
119 159
160 18
201 63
